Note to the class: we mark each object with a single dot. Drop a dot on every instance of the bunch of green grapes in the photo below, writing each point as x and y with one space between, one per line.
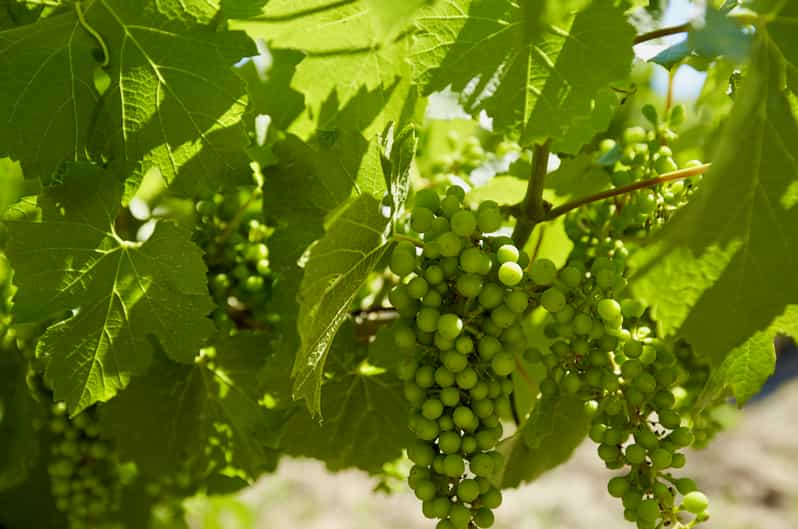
461 300
641 154
233 233
463 153
85 477
606 352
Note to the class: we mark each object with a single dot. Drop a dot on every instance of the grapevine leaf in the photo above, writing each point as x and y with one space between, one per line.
554 430
716 36
19 443
116 293
365 414
382 351
673 55
346 52
173 100
168 417
746 368
781 27
338 264
533 67
391 15
268 76
242 8
738 267
504 190
330 173
16 13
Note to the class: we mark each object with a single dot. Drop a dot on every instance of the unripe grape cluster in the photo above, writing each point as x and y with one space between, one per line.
460 301
84 472
232 232
640 154
605 351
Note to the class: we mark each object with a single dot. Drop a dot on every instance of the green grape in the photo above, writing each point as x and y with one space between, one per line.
469 285
425 490
489 219
467 378
618 486
460 516
483 518
421 219
449 442
464 418
403 262
443 377
428 198
417 288
453 466
517 301
543 272
553 300
661 458
482 465
503 364
491 499
608 309
427 319
491 296
463 223
510 273
467 490
648 510
450 326
432 409
507 253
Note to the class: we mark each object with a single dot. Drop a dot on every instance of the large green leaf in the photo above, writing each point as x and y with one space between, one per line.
723 270
347 51
117 294
204 416
173 100
556 427
530 66
364 410
330 173
338 264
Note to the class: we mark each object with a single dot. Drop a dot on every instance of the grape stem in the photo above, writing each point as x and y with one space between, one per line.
415 241
661 179
533 209
662 32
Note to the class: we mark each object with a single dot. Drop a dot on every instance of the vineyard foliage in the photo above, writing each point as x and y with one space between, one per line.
463 232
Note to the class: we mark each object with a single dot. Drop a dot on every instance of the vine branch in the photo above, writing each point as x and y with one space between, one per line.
533 209
662 32
661 179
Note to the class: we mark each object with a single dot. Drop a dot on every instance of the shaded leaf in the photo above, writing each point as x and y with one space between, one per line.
530 66
205 416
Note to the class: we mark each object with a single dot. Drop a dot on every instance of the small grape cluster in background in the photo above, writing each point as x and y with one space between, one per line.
233 233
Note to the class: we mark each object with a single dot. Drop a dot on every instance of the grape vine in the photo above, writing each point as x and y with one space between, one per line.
446 241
